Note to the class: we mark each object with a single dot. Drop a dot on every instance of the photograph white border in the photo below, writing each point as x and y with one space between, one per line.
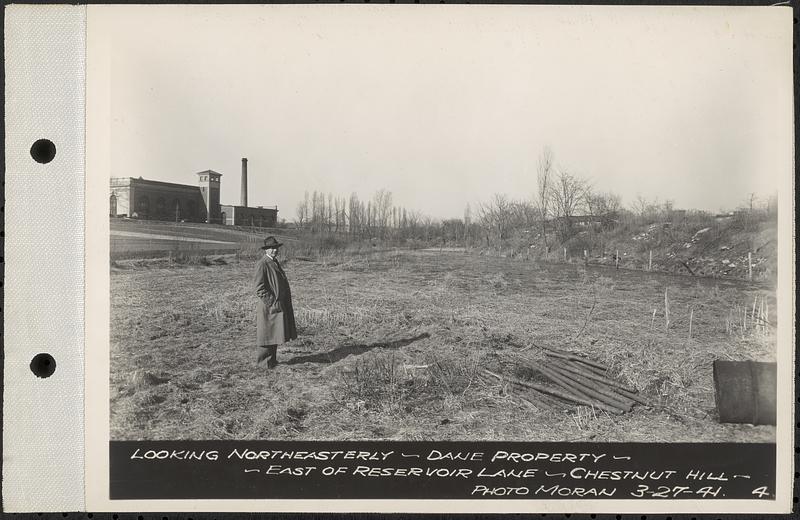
97 317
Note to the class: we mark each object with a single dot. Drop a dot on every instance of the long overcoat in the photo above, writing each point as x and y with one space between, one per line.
274 312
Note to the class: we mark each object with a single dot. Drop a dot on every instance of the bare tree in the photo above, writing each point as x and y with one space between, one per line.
452 230
604 206
343 213
647 210
355 214
323 212
412 221
640 205
568 197
543 184
382 210
370 218
496 215
336 214
302 212
329 214
467 222
524 214
314 211
426 223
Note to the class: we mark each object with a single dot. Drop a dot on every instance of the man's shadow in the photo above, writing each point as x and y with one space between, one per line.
342 352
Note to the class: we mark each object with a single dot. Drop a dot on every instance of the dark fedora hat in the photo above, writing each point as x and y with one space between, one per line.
271 243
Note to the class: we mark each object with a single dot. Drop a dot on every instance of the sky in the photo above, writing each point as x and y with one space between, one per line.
446 105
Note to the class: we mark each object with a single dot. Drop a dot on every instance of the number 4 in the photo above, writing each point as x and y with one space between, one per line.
761 492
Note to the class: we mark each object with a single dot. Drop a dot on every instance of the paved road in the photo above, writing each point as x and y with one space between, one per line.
152 236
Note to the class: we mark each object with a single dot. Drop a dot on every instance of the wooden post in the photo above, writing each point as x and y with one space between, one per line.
750 266
565 254
653 321
744 321
585 257
652 324
691 317
616 259
650 262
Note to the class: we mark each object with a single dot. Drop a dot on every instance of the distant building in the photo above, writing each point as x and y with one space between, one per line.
156 200
677 215
244 216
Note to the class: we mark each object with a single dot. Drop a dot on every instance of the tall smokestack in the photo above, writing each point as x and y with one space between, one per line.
244 181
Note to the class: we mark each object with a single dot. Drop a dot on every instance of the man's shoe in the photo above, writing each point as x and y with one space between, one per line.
272 359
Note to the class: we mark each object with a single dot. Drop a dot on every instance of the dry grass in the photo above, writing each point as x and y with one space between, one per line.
391 345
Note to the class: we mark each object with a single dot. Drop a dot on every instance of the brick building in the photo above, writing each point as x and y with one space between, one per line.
156 200
244 216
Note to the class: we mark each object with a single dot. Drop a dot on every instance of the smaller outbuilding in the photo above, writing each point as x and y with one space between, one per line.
246 216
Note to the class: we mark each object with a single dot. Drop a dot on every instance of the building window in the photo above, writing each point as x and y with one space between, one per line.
143 205
112 202
192 209
176 208
161 206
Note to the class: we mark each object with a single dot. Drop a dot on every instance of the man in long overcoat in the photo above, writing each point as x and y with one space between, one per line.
274 313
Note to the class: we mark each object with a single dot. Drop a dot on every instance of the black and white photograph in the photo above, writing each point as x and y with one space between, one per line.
473 224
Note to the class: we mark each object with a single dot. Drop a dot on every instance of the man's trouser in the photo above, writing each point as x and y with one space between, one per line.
267 355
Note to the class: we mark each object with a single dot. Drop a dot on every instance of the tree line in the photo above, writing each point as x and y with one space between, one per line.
377 217
562 205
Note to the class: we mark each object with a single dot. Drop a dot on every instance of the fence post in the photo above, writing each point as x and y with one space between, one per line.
565 254
585 257
750 266
650 262
616 259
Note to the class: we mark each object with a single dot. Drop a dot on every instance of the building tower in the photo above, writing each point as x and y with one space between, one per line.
209 187
244 182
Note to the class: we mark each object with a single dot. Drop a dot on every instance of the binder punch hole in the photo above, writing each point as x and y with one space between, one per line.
43 365
43 151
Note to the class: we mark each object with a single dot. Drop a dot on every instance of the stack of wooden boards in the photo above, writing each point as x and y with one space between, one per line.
575 379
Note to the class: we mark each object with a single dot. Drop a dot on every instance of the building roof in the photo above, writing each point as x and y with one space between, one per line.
269 208
209 173
124 181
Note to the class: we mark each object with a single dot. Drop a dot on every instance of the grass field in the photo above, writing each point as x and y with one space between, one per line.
391 345
154 239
